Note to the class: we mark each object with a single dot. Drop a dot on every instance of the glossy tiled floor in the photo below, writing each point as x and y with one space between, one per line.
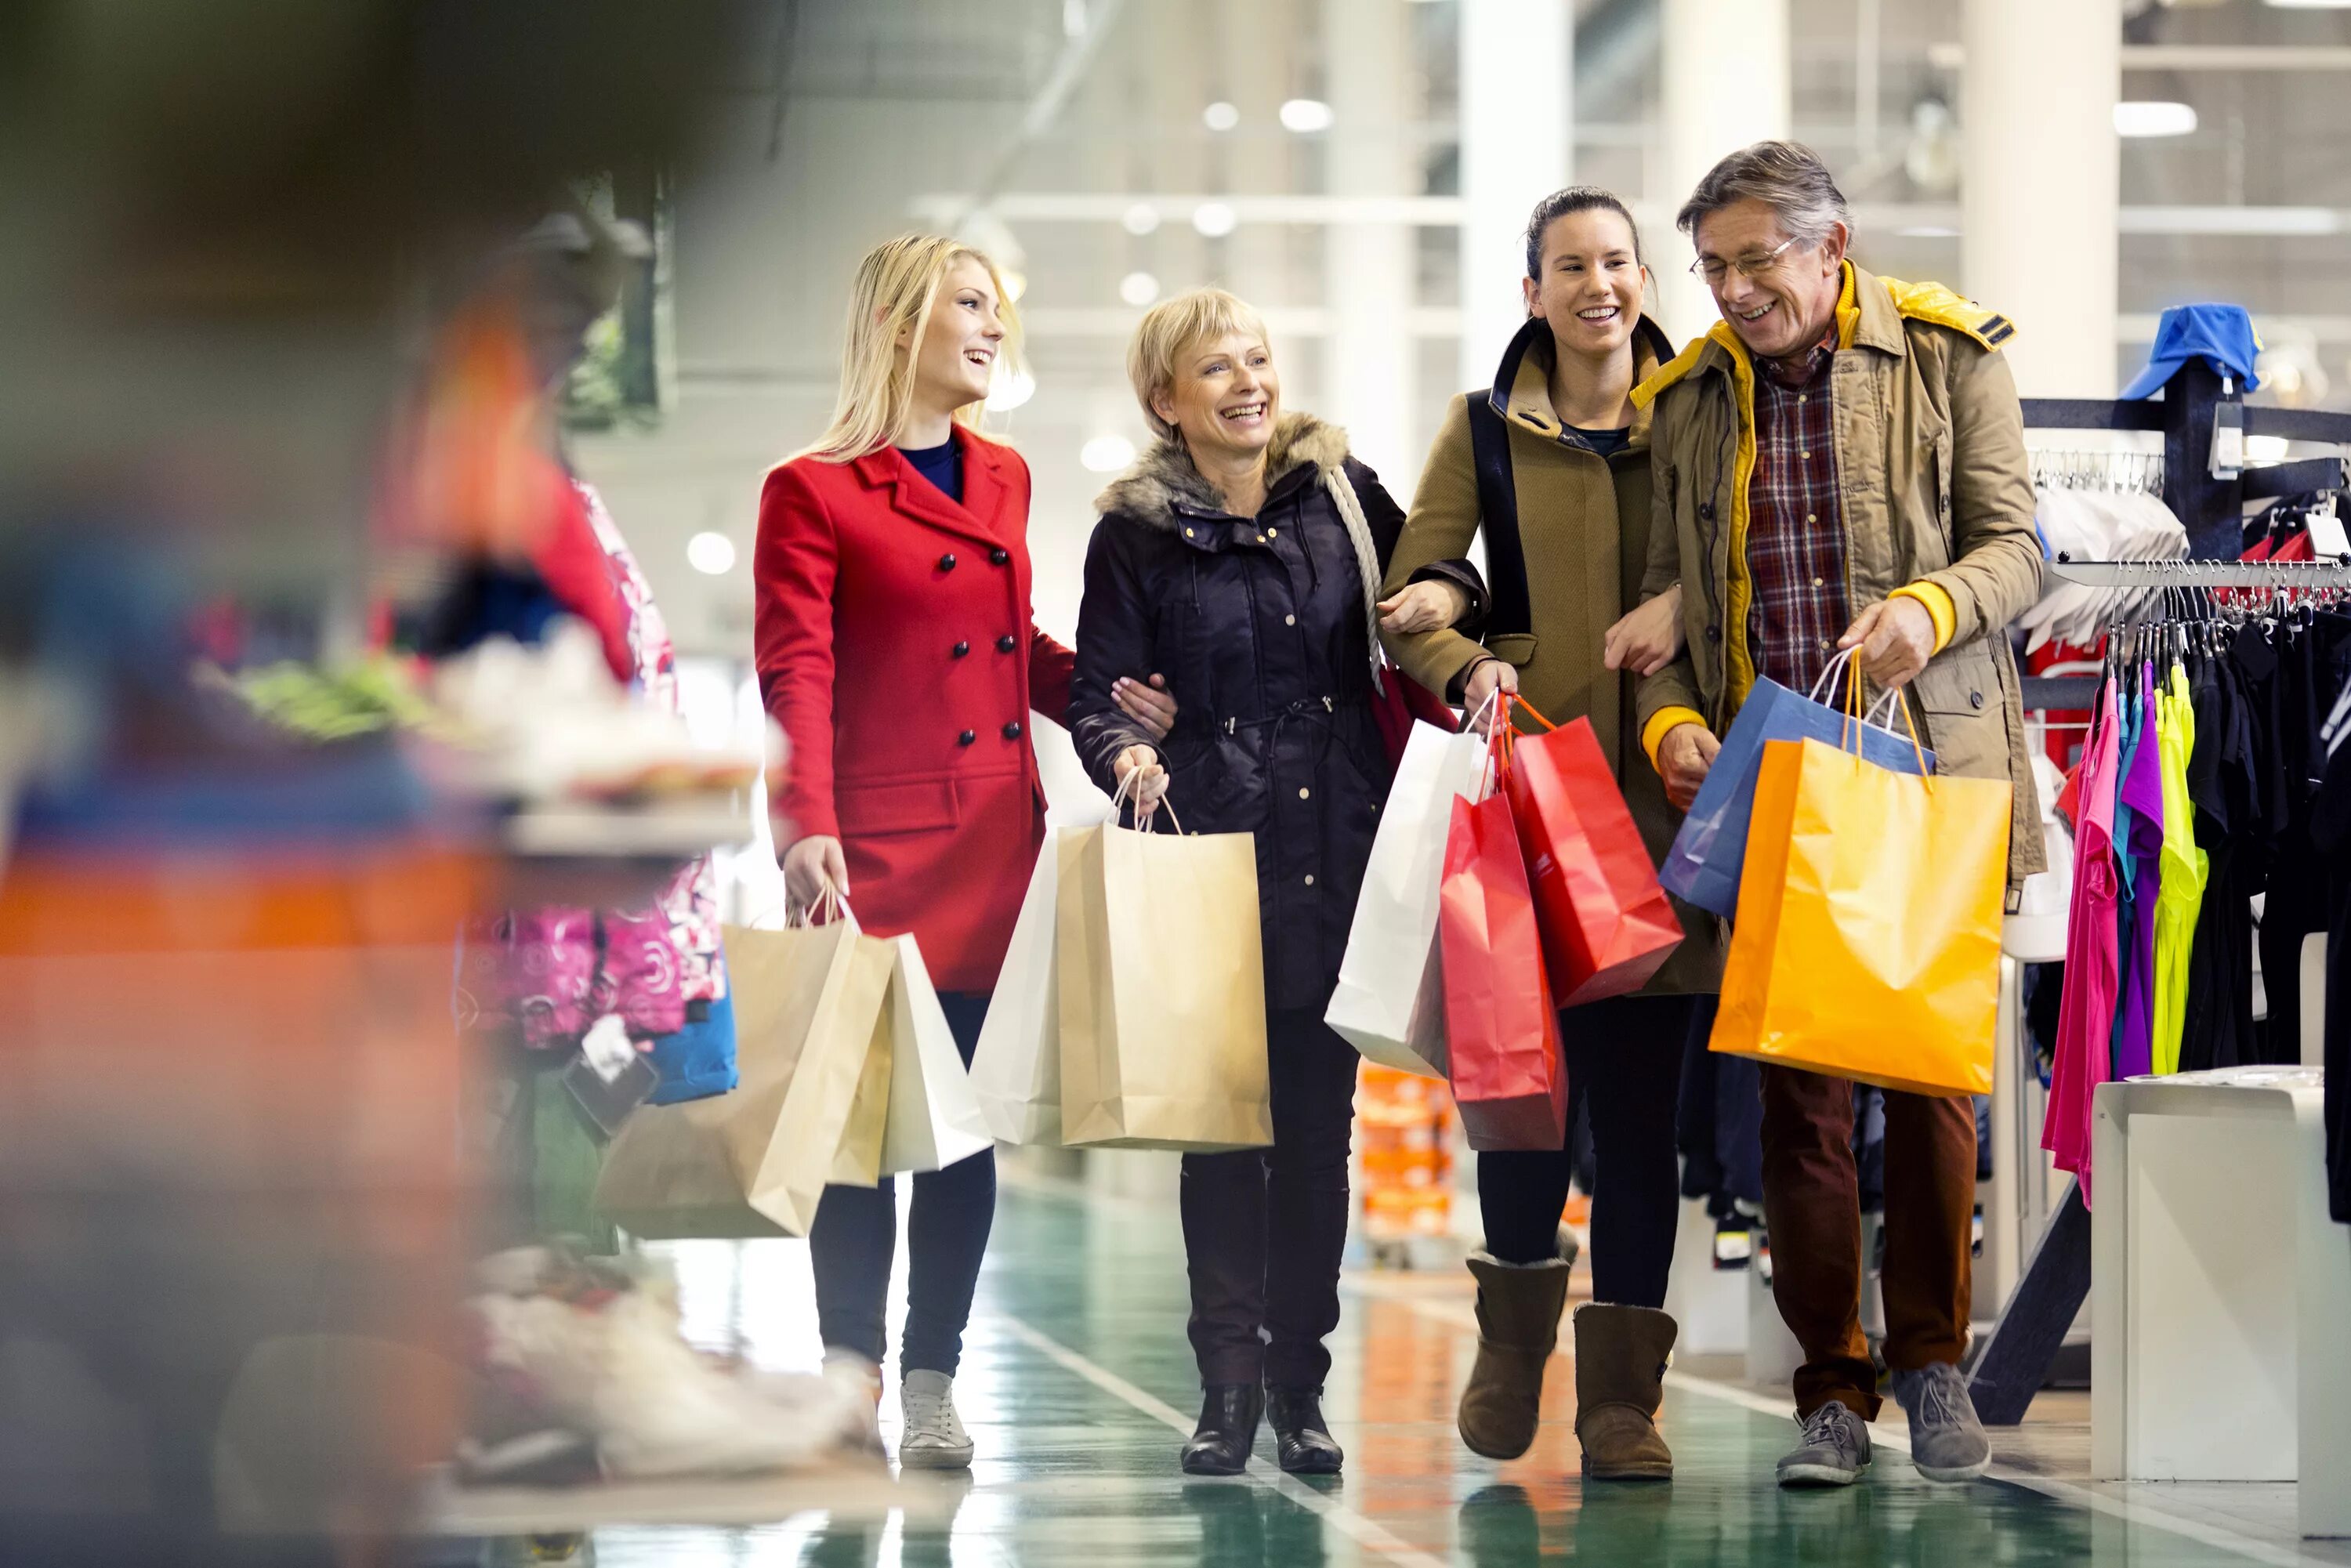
1077 1384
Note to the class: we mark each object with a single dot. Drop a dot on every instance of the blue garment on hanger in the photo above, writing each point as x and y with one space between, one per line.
2223 336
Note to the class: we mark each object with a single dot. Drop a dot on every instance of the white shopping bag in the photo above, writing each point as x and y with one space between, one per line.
934 1118
1390 1001
1016 1074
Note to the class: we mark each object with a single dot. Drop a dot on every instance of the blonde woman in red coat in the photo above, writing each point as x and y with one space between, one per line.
896 648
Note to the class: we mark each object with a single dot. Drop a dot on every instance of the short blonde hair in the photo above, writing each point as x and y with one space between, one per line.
1171 328
895 285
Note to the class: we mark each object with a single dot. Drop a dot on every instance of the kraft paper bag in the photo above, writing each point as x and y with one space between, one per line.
934 1120
1867 940
1389 1003
809 1108
1162 991
1015 1072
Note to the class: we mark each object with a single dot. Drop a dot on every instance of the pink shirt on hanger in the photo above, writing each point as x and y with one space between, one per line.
2085 1013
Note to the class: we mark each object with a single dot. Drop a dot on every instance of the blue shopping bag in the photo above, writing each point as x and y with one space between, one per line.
1702 868
698 1061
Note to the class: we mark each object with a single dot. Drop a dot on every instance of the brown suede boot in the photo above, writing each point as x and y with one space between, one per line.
1620 1368
1518 1324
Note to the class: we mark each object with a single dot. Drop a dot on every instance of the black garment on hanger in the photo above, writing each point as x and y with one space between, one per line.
2311 670
2330 832
2218 1029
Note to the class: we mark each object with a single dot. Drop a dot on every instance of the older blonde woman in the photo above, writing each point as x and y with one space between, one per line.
1242 558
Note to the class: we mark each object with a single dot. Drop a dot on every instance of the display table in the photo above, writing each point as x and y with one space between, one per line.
2219 1348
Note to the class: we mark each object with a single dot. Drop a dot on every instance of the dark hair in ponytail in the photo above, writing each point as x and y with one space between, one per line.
1575 199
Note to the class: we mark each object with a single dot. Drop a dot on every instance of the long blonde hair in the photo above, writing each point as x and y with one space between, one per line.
895 285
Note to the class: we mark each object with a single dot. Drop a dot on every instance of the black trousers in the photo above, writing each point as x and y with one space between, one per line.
855 1239
1625 1062
1264 1228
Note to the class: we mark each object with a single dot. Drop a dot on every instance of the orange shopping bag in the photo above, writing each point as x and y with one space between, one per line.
1867 940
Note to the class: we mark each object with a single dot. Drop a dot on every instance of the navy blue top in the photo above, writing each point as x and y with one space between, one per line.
942 466
1607 442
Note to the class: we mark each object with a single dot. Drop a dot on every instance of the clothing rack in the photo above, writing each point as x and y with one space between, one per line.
2014 1361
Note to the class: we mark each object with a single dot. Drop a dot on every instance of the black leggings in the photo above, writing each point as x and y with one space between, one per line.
1625 1061
1264 1228
855 1239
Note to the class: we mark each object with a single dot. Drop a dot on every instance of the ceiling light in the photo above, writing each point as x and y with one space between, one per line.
1140 219
1138 288
1215 219
1012 387
1306 116
1106 453
710 553
1927 231
1220 116
2311 5
2154 118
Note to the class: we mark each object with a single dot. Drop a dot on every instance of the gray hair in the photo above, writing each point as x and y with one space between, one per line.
1787 176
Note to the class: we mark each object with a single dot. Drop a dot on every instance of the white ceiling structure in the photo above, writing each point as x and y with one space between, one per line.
1082 141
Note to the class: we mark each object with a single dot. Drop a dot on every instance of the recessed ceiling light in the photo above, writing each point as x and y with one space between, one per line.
1106 453
1306 115
1220 116
1140 219
2154 118
1138 288
710 552
1215 219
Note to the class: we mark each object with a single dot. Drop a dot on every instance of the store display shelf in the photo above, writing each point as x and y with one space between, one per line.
845 1489
669 831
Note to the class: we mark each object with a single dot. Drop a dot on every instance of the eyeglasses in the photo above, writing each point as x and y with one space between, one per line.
1713 269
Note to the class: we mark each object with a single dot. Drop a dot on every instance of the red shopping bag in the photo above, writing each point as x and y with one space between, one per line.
1508 1075
1607 923
1403 701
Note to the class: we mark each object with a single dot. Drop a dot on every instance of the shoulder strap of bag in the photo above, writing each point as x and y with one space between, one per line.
1498 508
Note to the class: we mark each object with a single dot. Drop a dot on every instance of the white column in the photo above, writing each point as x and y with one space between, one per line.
1725 70
1369 357
1517 83
2041 184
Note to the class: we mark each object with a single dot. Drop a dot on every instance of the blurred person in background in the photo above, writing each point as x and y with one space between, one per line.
897 649
1888 506
1566 554
1242 556
236 1232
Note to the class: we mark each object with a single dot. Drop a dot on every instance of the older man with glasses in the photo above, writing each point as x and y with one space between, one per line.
1840 464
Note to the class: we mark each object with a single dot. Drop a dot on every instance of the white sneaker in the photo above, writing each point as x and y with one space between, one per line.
933 1437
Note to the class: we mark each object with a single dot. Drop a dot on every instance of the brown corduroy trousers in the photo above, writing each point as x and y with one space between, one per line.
1812 1203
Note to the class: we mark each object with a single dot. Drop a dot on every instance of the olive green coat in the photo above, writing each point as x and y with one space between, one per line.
1937 491
1583 526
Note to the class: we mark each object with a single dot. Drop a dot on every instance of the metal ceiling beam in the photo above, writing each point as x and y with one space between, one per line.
1445 211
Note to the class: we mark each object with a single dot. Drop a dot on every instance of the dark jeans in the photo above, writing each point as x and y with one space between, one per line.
855 1238
1264 1228
1625 1061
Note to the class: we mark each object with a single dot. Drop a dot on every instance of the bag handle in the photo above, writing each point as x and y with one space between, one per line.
1121 800
829 904
1850 728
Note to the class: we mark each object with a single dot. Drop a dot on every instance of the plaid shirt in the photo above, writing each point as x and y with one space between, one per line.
1795 528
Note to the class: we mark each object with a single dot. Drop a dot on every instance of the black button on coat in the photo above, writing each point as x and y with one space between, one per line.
1267 649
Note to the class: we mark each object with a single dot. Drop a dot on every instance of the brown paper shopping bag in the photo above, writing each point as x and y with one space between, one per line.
812 1055
1162 991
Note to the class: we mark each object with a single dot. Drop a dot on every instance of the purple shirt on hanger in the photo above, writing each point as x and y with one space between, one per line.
2142 791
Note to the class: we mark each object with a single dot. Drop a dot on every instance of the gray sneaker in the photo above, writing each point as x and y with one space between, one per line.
1947 1441
1834 1453
933 1437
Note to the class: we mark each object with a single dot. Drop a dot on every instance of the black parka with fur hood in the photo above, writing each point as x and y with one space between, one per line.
1264 629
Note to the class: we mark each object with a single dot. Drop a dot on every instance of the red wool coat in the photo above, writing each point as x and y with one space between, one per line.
895 648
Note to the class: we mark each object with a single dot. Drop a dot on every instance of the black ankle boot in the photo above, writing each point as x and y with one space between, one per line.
1228 1430
1303 1440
